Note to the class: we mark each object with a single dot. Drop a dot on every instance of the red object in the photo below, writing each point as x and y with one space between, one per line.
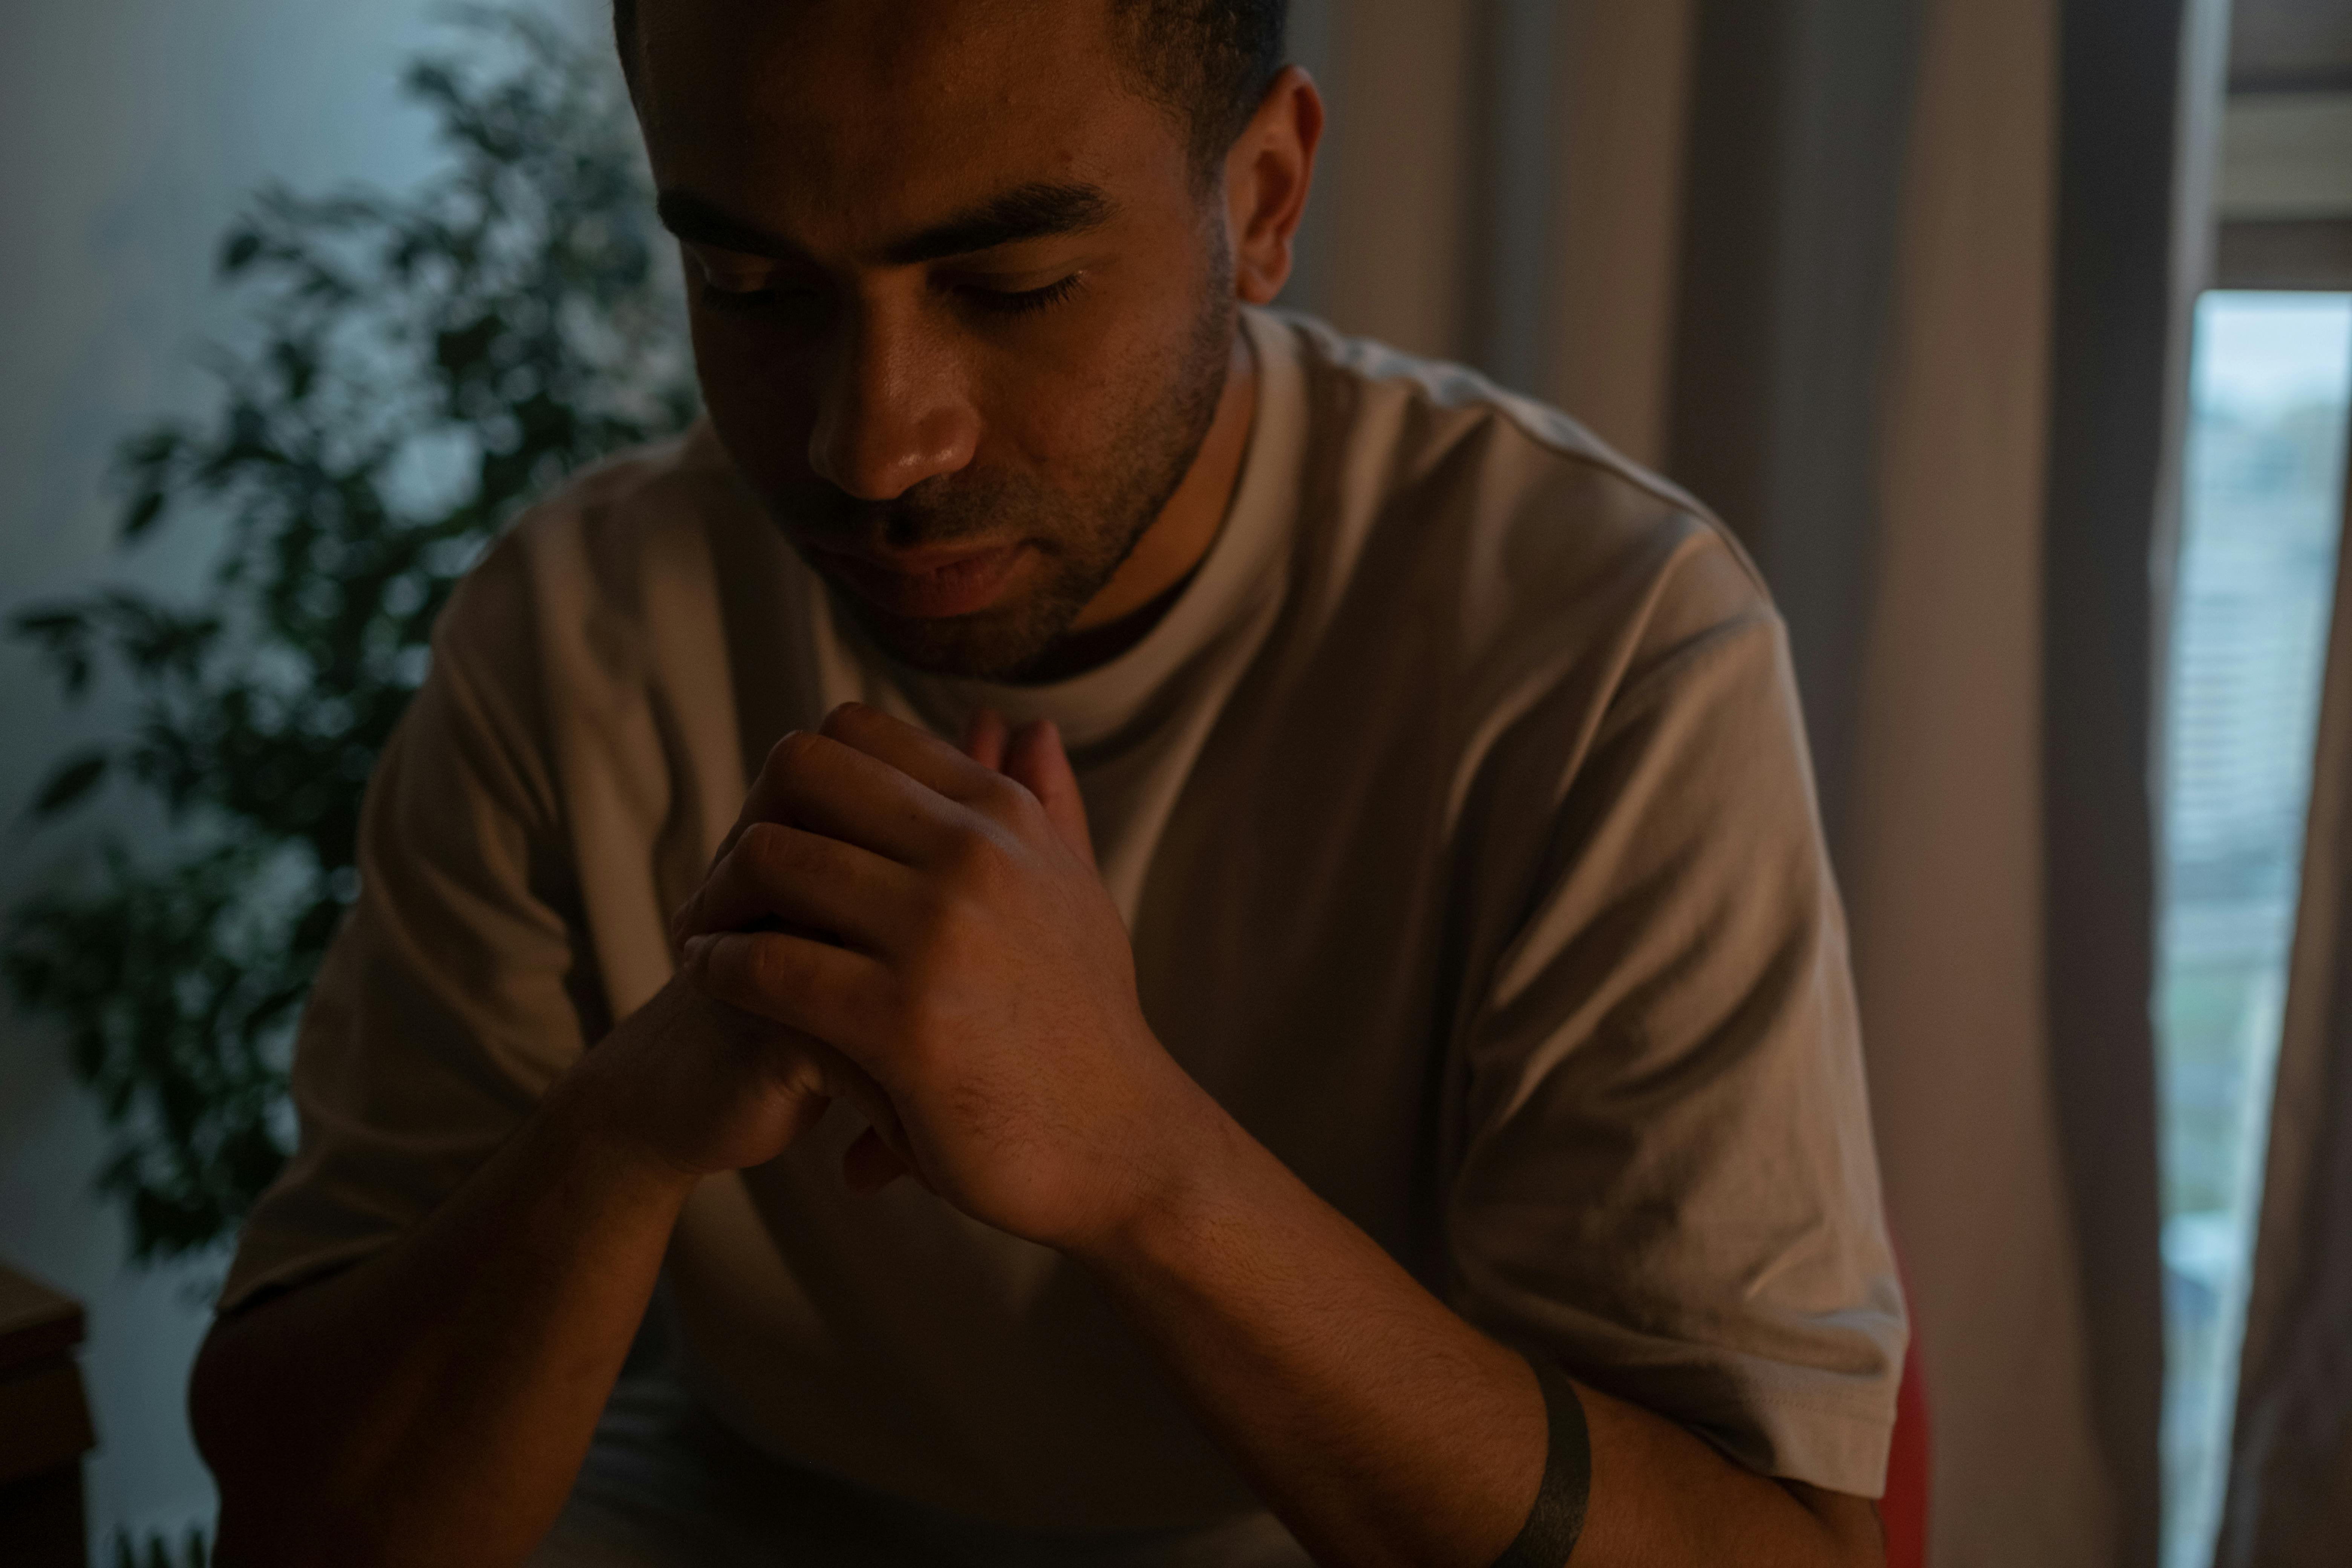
1904 1509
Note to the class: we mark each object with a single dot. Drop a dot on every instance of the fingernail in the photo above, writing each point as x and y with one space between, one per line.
694 946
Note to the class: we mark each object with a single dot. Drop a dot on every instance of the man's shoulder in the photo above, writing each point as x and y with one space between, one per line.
581 556
1503 513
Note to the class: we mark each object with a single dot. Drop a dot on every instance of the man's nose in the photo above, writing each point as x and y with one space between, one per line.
892 411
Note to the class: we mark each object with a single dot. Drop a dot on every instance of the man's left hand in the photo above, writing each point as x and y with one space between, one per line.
940 922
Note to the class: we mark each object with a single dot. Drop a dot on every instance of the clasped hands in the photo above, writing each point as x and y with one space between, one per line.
922 930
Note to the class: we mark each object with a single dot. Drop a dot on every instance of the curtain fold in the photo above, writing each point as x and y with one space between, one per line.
1945 862
1798 119
2139 96
1838 265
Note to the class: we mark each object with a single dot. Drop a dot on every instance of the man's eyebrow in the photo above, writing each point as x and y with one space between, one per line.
1034 211
1026 212
697 221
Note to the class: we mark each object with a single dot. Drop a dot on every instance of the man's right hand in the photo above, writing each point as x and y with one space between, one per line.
702 1086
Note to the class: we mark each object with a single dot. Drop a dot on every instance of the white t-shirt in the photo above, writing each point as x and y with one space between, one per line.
1460 814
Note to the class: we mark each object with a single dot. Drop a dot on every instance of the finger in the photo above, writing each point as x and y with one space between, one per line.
984 738
870 1164
917 754
759 804
788 875
825 786
1036 761
832 993
809 1068
844 1079
767 802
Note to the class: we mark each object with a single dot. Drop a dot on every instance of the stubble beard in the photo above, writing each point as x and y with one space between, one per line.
1082 532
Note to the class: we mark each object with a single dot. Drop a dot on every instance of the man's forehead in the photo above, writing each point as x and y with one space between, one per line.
886 115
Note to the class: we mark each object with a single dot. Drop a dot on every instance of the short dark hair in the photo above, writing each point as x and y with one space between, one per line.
1208 62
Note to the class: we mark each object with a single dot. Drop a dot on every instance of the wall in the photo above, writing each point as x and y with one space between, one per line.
131 131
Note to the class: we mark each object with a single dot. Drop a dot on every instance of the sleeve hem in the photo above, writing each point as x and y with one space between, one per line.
293 1268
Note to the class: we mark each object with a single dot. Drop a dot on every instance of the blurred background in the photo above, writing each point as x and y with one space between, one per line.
2013 336
135 132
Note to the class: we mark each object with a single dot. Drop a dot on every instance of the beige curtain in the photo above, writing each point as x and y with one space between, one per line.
1868 404
1393 247
1944 864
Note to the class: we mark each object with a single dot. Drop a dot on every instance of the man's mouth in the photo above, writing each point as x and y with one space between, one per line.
927 584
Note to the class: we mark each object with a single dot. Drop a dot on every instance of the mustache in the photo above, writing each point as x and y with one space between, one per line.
933 513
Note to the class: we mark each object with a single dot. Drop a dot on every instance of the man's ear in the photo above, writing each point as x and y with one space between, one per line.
1267 173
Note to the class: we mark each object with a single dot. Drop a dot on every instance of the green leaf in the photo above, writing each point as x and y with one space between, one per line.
69 781
239 254
144 511
50 624
152 449
427 332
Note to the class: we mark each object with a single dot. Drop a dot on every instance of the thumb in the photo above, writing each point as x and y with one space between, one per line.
1036 761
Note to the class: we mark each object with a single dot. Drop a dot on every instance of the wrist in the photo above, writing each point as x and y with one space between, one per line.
1192 1186
597 1113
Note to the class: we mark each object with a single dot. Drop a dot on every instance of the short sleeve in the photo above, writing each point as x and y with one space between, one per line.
448 999
1667 1181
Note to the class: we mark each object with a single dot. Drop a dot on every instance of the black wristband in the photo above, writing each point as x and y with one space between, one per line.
1558 1517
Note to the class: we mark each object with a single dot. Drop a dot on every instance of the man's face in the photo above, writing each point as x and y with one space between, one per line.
962 313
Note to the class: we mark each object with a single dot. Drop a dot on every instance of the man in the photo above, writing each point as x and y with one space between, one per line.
1368 961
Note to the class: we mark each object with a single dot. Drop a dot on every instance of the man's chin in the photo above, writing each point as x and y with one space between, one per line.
997 645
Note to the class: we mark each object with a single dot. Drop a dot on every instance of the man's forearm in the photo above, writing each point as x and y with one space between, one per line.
433 1405
985 988
1383 1428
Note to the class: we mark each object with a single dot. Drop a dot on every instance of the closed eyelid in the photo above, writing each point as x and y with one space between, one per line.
1027 281
1043 264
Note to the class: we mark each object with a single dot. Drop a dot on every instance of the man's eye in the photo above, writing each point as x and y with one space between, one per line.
1003 302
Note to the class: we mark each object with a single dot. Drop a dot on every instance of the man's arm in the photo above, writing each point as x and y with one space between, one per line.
1383 1428
432 1404
977 970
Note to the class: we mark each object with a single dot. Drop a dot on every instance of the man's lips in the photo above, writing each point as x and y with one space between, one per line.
927 584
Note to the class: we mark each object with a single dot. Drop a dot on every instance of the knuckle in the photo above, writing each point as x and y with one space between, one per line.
942 935
790 754
784 853
1002 798
1026 813
934 931
767 964
763 847
975 859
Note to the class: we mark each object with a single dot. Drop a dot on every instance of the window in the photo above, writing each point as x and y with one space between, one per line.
2271 379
